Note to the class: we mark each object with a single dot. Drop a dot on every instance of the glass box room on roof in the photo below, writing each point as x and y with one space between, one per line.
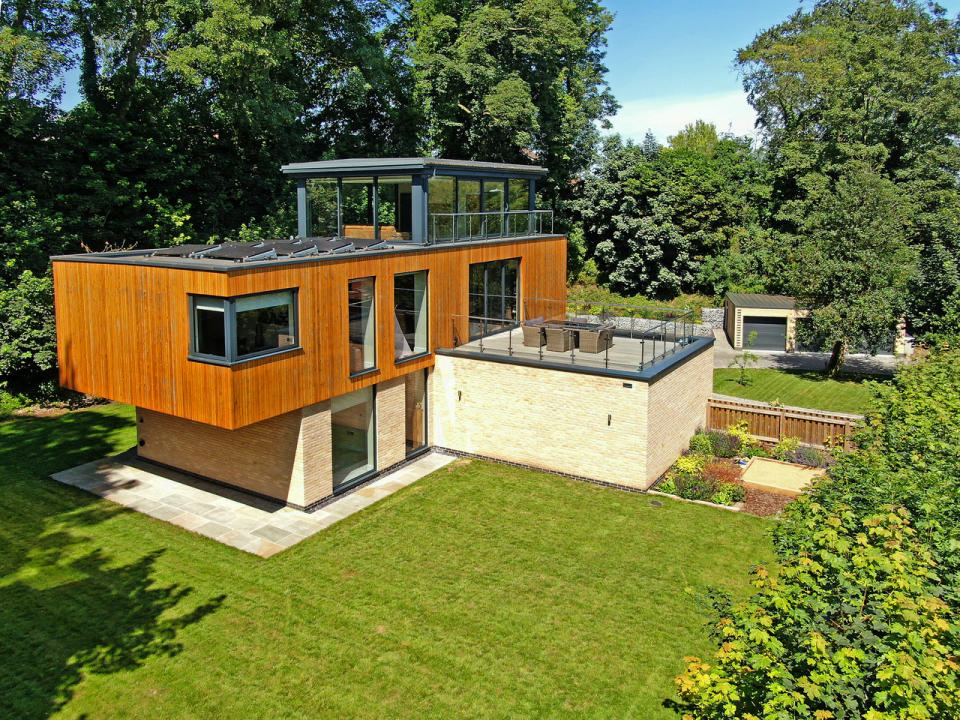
417 200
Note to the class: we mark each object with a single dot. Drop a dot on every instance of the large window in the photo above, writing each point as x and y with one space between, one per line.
410 309
353 437
494 292
324 212
357 201
363 348
494 201
442 200
229 330
469 200
394 208
519 224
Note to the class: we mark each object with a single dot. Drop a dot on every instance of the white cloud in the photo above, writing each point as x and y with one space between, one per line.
665 116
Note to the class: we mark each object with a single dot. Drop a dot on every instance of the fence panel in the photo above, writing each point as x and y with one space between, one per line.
770 423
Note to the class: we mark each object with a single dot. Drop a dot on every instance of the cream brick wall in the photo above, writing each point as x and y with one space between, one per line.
313 465
676 407
544 418
391 429
286 457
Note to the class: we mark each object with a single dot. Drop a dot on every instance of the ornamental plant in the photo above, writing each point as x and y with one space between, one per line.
850 628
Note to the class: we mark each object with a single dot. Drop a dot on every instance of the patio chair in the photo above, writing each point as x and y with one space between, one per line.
533 333
559 339
596 341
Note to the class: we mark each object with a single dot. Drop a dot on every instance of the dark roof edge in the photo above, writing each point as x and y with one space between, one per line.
353 165
651 374
143 258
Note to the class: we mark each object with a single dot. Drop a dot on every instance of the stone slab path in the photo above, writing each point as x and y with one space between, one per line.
229 516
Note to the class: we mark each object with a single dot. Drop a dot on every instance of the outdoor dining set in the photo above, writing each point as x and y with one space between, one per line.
564 335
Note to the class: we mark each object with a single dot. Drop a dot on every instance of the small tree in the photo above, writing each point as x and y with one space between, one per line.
745 359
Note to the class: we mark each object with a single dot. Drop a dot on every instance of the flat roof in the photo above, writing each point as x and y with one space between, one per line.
767 302
358 249
380 166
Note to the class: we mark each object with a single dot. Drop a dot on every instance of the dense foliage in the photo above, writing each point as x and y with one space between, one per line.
653 217
861 619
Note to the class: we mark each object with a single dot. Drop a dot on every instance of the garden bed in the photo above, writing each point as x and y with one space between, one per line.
713 471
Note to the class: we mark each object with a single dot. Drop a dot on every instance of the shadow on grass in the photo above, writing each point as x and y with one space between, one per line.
67 609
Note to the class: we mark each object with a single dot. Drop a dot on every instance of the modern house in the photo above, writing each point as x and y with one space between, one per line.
421 304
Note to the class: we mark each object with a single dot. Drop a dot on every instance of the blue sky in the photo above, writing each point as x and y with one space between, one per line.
672 62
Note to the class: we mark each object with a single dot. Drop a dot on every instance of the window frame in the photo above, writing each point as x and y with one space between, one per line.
231 356
372 318
426 309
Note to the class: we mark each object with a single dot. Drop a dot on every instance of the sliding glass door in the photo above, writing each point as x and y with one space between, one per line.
415 411
353 434
494 292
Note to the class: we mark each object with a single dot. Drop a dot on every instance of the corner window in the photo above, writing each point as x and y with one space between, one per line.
230 330
410 312
362 325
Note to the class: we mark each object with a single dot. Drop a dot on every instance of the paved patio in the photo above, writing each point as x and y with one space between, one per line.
232 517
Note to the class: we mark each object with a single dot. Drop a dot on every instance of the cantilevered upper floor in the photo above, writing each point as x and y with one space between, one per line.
418 200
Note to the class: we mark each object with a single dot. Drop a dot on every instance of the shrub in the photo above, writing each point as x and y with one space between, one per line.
720 472
694 487
688 465
754 451
667 486
849 628
811 456
785 448
724 444
728 494
741 432
701 444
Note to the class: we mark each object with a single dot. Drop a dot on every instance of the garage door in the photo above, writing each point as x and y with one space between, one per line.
771 332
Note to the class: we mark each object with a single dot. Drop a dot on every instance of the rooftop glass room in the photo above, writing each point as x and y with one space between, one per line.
417 200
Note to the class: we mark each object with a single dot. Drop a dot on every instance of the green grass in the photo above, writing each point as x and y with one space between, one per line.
480 591
849 394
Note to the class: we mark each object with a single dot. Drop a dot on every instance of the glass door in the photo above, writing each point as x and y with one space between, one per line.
415 411
493 296
353 436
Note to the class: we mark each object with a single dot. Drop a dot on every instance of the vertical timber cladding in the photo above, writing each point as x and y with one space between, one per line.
124 329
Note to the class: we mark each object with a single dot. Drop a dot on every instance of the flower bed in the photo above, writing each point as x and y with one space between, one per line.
710 470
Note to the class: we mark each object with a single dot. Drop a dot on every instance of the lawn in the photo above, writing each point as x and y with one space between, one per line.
849 394
480 591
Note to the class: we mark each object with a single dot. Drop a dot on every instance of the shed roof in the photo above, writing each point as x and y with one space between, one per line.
768 302
379 166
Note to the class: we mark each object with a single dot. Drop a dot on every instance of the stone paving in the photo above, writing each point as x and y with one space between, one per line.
232 517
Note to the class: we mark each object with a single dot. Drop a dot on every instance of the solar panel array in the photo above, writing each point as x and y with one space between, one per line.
273 249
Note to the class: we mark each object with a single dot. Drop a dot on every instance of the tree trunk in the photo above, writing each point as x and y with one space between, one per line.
836 358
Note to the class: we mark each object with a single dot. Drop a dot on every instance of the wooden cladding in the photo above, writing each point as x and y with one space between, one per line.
123 330
770 423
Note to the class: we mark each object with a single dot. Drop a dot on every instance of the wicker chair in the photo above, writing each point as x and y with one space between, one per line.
533 335
596 341
559 339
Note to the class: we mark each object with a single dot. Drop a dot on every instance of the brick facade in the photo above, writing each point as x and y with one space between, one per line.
612 430
573 422
391 444
676 408
287 457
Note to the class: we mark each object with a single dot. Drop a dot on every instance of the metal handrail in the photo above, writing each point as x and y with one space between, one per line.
466 221
680 318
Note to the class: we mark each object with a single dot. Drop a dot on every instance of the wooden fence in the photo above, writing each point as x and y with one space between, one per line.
770 423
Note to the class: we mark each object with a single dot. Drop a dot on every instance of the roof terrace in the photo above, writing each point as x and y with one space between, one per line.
630 341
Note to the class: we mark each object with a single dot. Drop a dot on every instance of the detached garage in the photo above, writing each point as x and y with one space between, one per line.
772 317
